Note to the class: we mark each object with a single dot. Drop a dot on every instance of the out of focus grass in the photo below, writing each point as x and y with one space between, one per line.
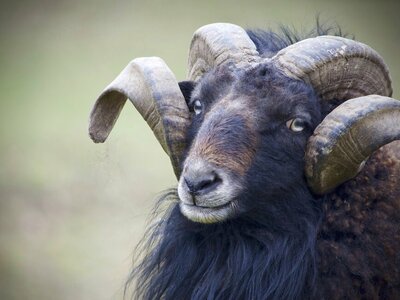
72 211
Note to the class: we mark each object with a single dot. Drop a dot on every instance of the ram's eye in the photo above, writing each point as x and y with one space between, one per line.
296 124
197 107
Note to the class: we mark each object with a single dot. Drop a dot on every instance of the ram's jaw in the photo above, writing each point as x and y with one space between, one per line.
209 215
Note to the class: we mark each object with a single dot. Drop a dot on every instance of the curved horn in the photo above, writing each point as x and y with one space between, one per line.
347 137
217 43
153 90
337 68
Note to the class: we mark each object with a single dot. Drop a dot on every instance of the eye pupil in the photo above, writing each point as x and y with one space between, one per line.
296 124
197 107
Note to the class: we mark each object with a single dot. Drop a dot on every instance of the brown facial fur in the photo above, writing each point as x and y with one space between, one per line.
227 138
239 108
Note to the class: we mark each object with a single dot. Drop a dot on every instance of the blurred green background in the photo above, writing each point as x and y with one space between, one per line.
71 211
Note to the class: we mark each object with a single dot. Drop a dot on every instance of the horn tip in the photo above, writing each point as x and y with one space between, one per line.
97 137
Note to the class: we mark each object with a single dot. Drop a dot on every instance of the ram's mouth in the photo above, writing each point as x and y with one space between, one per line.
208 215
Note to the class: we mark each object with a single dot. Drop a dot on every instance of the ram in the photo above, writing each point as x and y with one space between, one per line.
288 168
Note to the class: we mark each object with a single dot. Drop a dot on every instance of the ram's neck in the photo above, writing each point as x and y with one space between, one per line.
238 259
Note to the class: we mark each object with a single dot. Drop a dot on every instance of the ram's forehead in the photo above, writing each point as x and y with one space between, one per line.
262 90
215 84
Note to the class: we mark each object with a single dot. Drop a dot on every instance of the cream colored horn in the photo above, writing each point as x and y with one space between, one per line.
153 89
215 44
347 137
337 68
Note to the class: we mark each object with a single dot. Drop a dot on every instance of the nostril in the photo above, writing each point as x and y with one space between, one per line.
203 183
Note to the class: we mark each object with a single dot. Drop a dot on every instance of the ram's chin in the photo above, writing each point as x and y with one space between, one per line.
209 215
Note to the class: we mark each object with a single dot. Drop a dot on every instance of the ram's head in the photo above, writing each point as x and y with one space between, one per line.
309 115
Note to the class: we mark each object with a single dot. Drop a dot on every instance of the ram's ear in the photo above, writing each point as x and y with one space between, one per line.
187 89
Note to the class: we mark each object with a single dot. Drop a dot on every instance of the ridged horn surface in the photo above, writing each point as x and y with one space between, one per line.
337 68
153 89
215 44
347 137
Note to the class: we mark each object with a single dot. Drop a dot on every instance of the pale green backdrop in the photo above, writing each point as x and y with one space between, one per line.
71 211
